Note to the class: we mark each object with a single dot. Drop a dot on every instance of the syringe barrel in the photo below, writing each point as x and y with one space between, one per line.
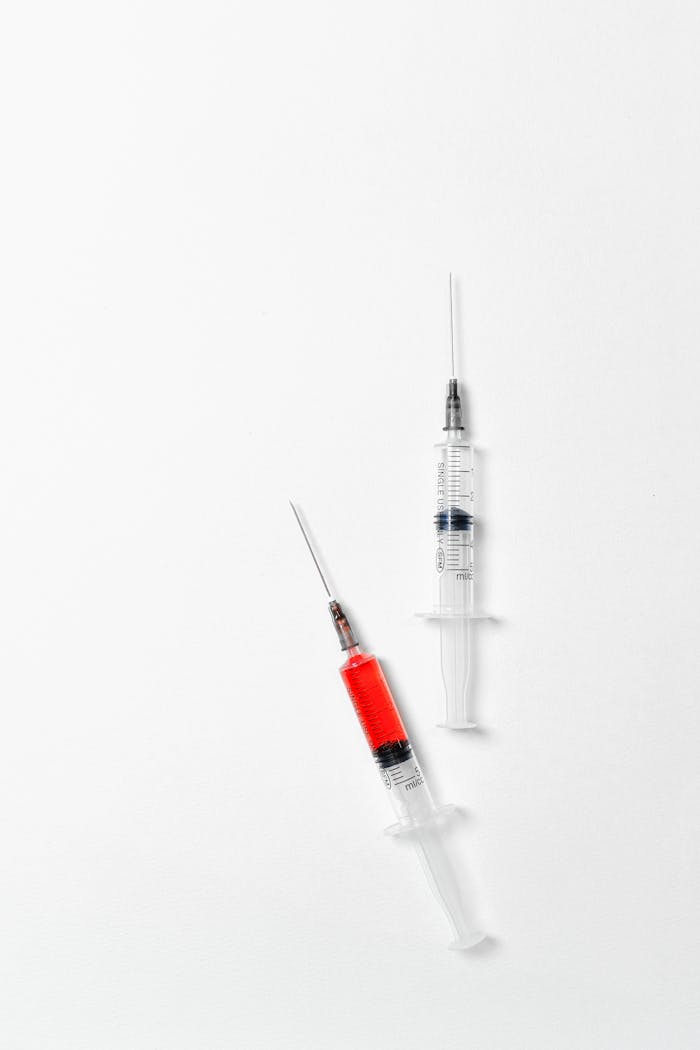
374 705
454 526
387 737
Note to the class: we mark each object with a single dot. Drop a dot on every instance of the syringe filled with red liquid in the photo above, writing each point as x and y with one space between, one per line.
417 815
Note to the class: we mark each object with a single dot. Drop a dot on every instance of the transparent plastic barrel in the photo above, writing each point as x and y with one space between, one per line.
454 573
454 528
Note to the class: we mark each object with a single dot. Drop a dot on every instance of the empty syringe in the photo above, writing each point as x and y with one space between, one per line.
454 553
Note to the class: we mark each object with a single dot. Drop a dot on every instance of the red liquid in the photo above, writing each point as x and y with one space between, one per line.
373 702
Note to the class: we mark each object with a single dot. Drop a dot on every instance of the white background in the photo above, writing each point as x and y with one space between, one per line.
226 233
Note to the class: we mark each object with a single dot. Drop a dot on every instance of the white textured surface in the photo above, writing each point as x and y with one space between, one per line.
226 231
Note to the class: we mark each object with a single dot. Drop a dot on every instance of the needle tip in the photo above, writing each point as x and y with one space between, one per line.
452 331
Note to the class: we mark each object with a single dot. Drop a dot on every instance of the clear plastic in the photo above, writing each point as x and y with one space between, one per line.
423 822
454 573
454 527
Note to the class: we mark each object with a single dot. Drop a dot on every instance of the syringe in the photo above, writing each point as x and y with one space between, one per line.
417 815
454 553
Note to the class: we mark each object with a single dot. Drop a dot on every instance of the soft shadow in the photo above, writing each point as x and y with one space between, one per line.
489 946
